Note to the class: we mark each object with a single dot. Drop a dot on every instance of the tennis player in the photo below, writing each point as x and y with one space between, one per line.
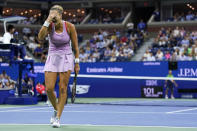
169 84
60 60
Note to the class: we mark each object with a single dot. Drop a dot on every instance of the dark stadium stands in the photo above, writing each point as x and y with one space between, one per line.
107 15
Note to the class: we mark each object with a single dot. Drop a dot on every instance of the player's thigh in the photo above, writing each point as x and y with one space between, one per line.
50 80
64 78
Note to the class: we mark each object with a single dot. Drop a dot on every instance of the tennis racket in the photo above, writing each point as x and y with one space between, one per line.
74 89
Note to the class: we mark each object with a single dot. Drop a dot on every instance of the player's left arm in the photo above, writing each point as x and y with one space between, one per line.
175 84
74 40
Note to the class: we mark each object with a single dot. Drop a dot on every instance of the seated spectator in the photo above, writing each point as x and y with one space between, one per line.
185 41
128 52
41 89
107 54
159 55
189 16
190 57
176 32
27 84
6 82
151 57
43 57
82 56
32 45
93 45
121 56
113 58
167 55
183 57
174 57
100 44
96 55
181 17
91 58
182 32
146 55
87 50
38 51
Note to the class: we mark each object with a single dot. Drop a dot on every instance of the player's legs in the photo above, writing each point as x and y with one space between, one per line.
172 92
166 93
50 80
64 79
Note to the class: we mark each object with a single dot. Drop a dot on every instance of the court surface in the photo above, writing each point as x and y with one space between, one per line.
100 117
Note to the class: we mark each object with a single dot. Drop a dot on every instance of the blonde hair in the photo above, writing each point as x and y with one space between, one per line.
59 8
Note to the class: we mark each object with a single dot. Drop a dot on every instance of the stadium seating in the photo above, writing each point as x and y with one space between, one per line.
111 47
174 44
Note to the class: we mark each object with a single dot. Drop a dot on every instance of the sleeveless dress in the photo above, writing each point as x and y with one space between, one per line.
60 56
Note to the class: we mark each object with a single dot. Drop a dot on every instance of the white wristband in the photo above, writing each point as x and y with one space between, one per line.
46 24
76 60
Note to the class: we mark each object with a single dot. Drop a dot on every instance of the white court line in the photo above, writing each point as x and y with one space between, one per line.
135 77
103 112
109 112
178 111
34 107
18 110
94 125
12 107
45 107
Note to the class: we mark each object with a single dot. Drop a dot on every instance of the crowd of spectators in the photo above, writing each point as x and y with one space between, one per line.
33 45
179 16
31 20
113 46
27 41
190 16
173 45
27 84
6 82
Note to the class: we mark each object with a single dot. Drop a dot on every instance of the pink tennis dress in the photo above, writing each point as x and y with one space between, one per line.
60 56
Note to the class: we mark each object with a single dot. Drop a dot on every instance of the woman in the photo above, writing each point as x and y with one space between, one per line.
60 58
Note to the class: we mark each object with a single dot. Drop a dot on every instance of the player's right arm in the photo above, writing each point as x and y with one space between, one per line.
44 31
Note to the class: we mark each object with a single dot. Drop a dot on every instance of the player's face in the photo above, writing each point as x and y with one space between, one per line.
57 18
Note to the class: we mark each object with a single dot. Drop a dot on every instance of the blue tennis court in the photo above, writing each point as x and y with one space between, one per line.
99 116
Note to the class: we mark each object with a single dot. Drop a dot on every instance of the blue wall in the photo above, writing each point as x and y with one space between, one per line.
108 87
